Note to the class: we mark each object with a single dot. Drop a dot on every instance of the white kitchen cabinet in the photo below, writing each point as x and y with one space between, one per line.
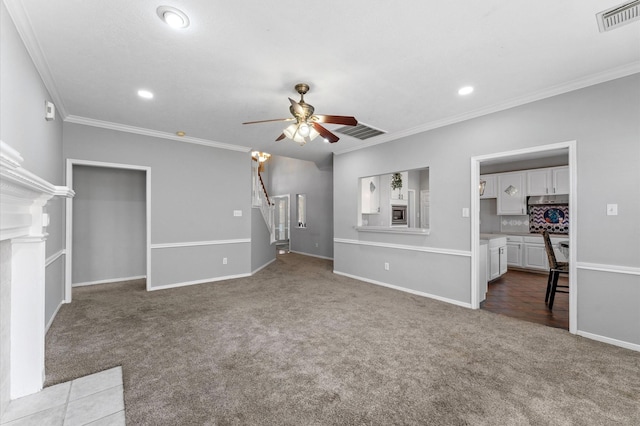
535 257
496 255
560 180
514 251
503 259
370 195
482 270
494 263
489 186
511 193
553 180
539 182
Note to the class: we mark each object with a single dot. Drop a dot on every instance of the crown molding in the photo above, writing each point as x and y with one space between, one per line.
153 133
28 36
591 80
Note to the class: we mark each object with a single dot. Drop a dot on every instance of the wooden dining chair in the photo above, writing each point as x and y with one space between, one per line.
555 269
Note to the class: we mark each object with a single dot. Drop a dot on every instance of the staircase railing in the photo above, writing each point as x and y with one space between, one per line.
260 199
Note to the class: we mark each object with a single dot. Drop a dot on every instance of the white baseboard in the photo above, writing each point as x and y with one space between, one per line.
609 340
204 281
109 281
53 317
312 255
407 290
263 266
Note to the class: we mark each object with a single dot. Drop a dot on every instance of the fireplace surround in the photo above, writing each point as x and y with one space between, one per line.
23 222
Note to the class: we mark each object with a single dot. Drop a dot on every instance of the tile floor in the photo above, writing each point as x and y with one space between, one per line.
520 294
91 400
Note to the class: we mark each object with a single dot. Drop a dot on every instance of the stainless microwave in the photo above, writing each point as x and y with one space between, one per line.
398 215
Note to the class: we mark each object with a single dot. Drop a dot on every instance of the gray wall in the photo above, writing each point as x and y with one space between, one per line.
109 224
262 251
291 176
23 127
603 119
194 192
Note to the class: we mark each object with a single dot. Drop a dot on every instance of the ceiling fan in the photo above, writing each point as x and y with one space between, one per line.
307 124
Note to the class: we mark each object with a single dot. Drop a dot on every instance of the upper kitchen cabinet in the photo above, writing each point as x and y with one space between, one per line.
370 195
560 180
554 180
511 193
488 188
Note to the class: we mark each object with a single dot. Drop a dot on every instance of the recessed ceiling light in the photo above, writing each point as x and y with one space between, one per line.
466 90
145 94
173 17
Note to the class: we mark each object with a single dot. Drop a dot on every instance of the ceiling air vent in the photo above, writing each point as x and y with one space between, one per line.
360 131
619 15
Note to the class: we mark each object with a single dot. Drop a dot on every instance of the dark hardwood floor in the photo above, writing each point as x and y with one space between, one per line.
520 294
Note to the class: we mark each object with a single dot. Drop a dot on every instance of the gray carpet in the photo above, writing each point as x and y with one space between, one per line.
298 345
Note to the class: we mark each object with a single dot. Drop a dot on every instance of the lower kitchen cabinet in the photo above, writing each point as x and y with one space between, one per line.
514 251
528 252
535 256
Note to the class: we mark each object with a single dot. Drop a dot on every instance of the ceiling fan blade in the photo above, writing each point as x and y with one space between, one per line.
268 121
325 133
336 119
282 136
296 107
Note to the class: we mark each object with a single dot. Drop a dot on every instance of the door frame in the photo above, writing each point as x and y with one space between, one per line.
573 235
288 197
71 162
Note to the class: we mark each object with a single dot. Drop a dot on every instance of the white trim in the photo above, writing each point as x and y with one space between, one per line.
608 268
573 200
53 317
153 133
54 257
392 230
204 281
309 254
23 25
406 290
609 340
255 271
69 216
451 252
109 281
612 74
200 243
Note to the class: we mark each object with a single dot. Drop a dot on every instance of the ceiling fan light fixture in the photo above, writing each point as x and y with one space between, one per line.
304 130
173 17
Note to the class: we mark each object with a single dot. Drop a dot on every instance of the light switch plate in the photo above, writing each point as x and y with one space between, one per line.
612 210
237 212
465 212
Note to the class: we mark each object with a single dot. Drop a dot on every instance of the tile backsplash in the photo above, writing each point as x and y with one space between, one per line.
553 218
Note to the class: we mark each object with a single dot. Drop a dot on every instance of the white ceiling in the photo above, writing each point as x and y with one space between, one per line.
396 66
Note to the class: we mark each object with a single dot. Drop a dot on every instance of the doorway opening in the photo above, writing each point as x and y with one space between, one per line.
106 216
282 223
520 160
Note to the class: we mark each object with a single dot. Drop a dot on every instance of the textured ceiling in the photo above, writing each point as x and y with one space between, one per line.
396 66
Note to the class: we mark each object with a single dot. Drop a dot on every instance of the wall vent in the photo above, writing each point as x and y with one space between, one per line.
361 131
618 16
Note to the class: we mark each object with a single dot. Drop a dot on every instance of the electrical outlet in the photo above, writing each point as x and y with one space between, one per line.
386 266
224 260
316 245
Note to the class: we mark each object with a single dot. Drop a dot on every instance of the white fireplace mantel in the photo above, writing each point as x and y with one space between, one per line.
23 222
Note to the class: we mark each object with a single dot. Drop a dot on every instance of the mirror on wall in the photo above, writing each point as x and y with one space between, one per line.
394 200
